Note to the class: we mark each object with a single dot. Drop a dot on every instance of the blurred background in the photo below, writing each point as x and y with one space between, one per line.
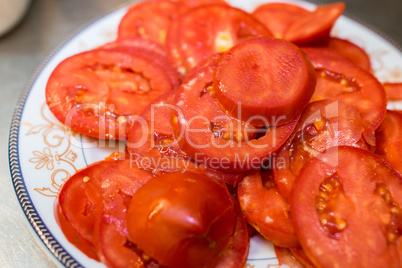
46 24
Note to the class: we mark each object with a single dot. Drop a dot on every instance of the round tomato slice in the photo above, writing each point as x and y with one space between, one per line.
149 20
349 202
212 138
286 257
394 90
210 29
343 81
80 199
389 139
93 92
276 72
314 27
152 146
265 209
278 17
182 220
137 42
322 125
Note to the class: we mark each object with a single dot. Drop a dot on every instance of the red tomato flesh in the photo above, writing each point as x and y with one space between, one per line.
182 220
394 90
266 210
264 79
278 17
93 92
389 139
212 29
346 210
314 27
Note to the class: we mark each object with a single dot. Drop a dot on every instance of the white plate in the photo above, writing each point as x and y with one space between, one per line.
43 155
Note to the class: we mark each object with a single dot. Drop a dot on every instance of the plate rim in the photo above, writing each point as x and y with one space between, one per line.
54 248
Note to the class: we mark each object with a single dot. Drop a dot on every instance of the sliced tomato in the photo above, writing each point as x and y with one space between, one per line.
211 29
212 138
182 220
301 257
278 17
340 80
173 49
394 90
276 72
80 199
93 92
266 210
149 20
314 27
389 139
349 200
322 125
137 42
286 257
83 244
159 152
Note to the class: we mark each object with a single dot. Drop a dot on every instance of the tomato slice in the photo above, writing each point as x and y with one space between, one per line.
394 90
80 199
93 92
137 42
149 20
272 221
389 139
159 152
286 257
314 27
277 73
277 17
182 220
212 138
349 201
301 257
322 125
351 51
340 80
211 29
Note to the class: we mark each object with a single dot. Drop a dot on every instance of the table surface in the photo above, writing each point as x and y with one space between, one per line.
47 24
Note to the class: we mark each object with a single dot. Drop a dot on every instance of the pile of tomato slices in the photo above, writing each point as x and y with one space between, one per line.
236 124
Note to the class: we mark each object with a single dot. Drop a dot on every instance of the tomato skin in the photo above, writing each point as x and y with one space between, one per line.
201 143
389 139
272 221
361 201
314 27
212 29
278 73
92 92
182 220
394 90
323 124
346 82
278 17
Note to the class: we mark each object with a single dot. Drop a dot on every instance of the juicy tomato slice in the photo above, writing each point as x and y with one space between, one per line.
84 245
149 20
314 27
93 92
286 257
153 147
389 139
211 29
279 75
119 182
212 138
277 17
272 221
340 80
349 199
182 220
322 125
351 51
235 255
137 42
80 199
394 90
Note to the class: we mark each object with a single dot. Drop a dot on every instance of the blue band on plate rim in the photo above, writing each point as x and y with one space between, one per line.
55 248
